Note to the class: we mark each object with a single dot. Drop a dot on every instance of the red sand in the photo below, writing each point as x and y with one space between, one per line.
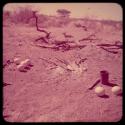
39 96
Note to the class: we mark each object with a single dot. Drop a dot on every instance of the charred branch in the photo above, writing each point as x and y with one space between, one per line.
48 61
81 26
114 52
89 38
64 47
90 88
6 84
43 39
63 61
67 36
110 45
118 46
78 25
82 60
7 62
37 27
53 63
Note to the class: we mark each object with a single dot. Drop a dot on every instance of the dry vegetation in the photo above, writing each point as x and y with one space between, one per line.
67 56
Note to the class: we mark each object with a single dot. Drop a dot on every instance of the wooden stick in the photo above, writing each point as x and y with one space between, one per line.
37 27
85 28
113 48
79 46
57 46
49 61
5 84
85 39
89 37
90 88
62 61
66 35
114 52
43 39
82 60
52 63
109 45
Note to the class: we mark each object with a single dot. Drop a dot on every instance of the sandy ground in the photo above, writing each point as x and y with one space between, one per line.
42 95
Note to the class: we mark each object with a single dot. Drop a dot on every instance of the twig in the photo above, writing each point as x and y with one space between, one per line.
5 84
79 46
60 43
43 39
66 35
49 61
37 27
62 61
89 38
79 25
113 48
90 88
109 45
82 60
8 62
119 46
85 28
6 116
62 46
85 39
45 46
114 52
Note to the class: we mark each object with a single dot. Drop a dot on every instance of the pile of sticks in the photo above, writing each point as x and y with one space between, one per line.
65 63
61 46
64 45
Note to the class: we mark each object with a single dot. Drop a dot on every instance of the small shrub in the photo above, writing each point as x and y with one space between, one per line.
23 15
6 17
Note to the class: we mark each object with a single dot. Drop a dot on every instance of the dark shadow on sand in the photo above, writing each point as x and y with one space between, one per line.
6 84
31 65
104 96
110 84
120 94
27 68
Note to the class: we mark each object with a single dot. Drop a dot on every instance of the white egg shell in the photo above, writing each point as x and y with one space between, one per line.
17 61
116 90
100 91
26 62
20 67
